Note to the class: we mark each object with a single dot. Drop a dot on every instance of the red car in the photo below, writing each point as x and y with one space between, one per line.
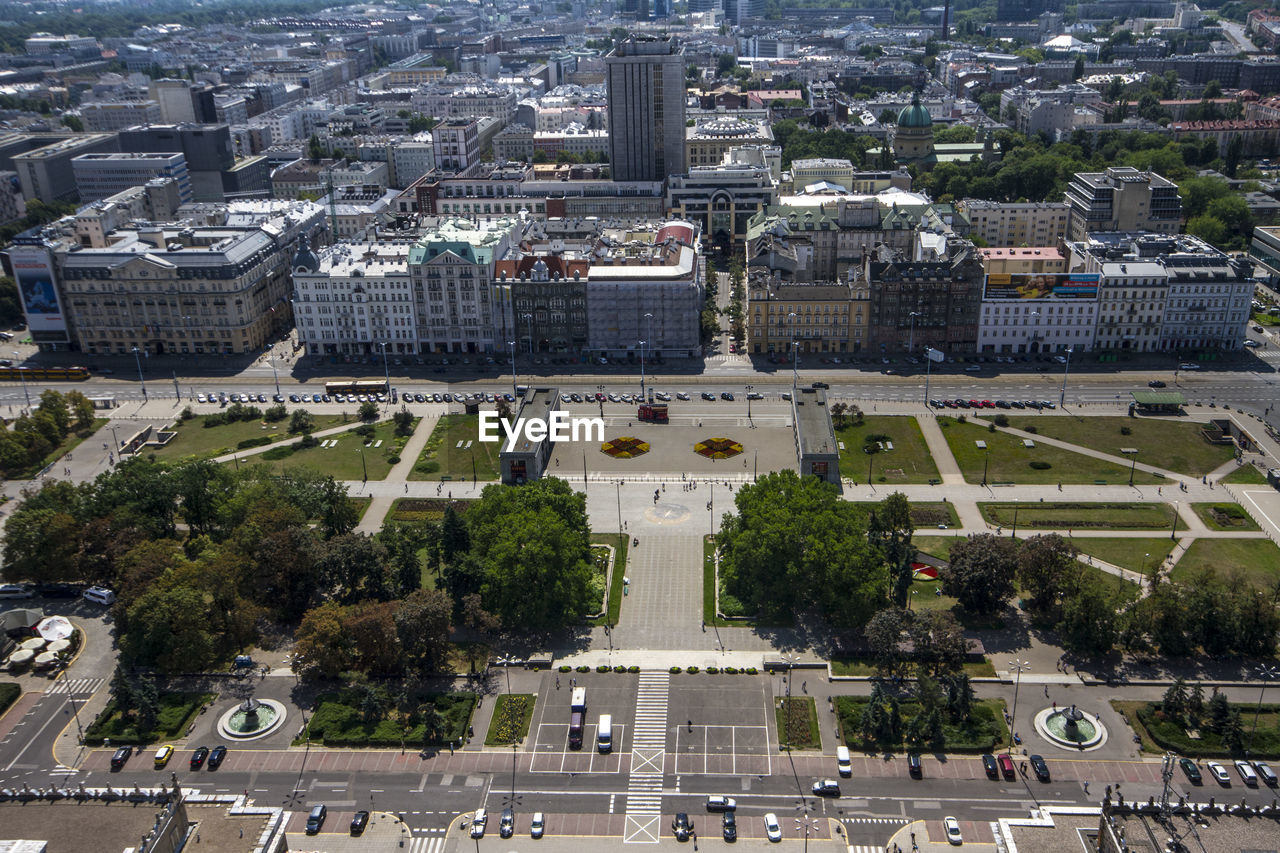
987 404
975 404
1006 767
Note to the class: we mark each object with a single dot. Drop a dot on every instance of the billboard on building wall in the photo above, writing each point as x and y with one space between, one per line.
1041 286
33 272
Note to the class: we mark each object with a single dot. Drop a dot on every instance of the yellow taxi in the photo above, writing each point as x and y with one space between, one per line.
163 754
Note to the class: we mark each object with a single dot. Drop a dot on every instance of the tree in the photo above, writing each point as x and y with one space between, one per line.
1077 70
422 623
73 123
353 568
890 529
42 545
1047 567
884 634
404 421
368 411
938 642
1208 228
794 545
981 572
1088 623
168 628
371 625
454 539
960 696
322 647
338 516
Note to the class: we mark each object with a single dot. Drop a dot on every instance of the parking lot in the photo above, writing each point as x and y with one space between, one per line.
605 695
740 741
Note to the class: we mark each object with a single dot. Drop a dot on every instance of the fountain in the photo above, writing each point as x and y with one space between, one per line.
1071 728
251 719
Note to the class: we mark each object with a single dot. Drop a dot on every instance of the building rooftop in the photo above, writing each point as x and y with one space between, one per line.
537 403
814 432
1021 253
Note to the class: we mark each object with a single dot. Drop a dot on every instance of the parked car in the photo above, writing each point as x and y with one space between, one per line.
681 826
478 821
315 819
1190 770
100 595
707 395
198 757
163 754
824 386
721 804
680 395
359 821
843 763
952 827
538 826
826 788
914 767
1041 769
1264 770
1247 774
1007 770
729 827
771 827
991 766
726 395
1155 383
216 756
120 756
507 823
1219 774
17 590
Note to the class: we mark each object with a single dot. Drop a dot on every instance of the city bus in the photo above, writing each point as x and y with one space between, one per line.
44 374
357 386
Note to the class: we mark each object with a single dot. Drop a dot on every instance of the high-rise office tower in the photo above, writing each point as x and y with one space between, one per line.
645 79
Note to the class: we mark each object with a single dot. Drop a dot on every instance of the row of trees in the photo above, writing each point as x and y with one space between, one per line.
26 442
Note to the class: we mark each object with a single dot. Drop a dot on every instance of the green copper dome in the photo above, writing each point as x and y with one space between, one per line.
914 115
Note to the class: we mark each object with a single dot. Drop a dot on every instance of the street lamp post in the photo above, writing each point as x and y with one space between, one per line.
1266 672
911 337
386 369
648 319
1066 368
618 490
795 352
512 345
749 390
928 372
1173 528
986 457
117 439
271 357
22 374
1017 667
363 466
1133 463
642 397
138 358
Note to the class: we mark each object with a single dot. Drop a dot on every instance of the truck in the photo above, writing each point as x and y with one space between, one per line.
654 413
577 716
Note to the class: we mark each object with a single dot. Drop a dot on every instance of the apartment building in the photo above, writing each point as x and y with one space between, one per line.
101 175
1122 199
45 173
999 223
924 303
1031 304
184 288
456 144
723 198
351 297
109 116
815 317
707 143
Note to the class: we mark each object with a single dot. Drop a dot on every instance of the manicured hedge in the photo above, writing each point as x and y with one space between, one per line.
339 721
1171 735
177 710
983 731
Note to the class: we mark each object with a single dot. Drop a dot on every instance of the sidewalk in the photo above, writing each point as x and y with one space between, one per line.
376 514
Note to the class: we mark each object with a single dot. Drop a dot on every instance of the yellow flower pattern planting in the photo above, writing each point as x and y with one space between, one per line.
625 447
718 448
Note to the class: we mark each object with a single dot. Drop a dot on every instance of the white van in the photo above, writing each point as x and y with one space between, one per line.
604 734
100 595
843 764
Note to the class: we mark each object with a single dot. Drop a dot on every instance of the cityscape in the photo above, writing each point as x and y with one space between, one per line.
604 423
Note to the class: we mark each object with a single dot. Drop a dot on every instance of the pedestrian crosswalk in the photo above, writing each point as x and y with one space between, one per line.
75 685
648 755
864 821
427 845
865 848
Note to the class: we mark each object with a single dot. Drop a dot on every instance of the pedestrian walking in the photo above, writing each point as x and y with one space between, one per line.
1086 786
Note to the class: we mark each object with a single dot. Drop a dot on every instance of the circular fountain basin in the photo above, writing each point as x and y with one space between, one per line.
1088 733
237 724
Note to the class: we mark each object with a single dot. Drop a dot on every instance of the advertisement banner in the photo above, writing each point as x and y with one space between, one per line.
33 272
1042 286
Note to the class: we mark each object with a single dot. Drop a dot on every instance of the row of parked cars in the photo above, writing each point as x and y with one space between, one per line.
960 403
1250 773
94 594
201 756
682 825
506 824
318 813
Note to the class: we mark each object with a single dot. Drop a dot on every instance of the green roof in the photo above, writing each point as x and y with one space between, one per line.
1159 398
915 115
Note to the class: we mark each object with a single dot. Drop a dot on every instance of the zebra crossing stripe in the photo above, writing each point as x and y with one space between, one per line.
74 685
427 845
865 848
648 756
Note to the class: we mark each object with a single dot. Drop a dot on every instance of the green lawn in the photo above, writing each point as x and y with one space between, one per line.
936 546
1087 516
1125 552
194 440
361 505
925 514
1258 560
510 721
1224 516
339 719
454 452
984 731
1159 734
351 458
1246 475
176 712
1109 583
620 544
908 462
1176 445
1008 461
797 721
